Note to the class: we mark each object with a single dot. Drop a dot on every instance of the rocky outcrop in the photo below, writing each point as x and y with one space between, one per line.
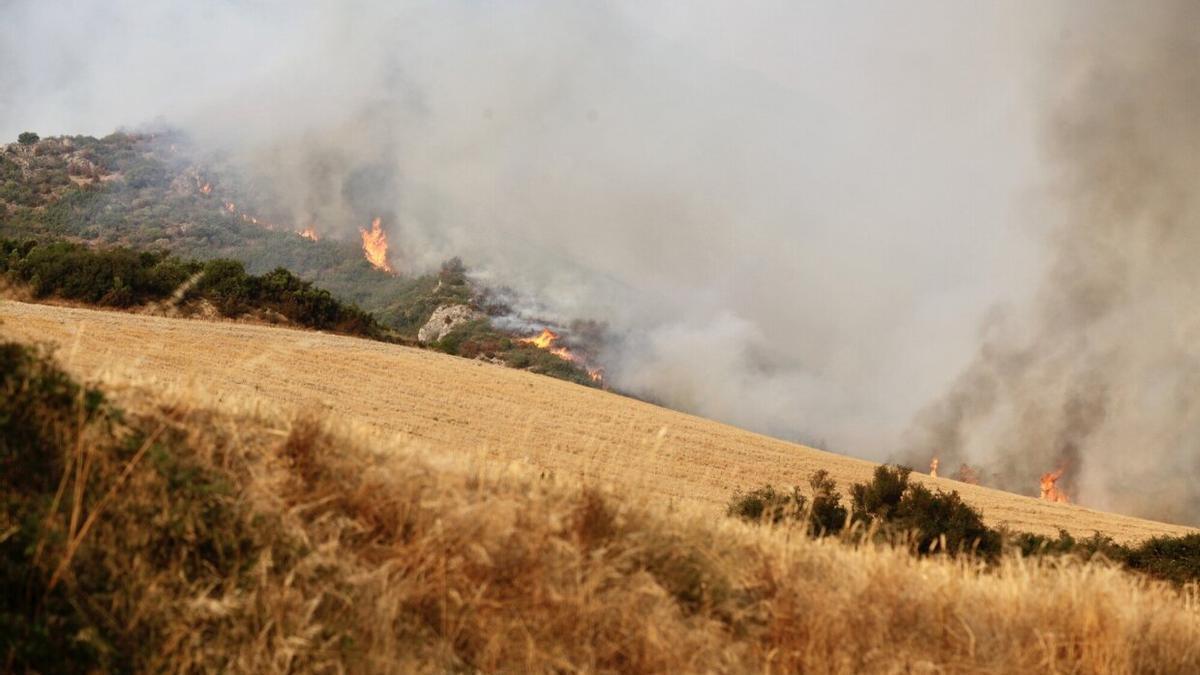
445 319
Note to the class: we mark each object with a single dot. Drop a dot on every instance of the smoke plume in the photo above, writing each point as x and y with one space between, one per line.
1101 375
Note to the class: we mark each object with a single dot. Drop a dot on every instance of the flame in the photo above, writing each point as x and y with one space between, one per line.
547 339
206 188
1051 491
543 340
375 247
309 232
231 207
933 465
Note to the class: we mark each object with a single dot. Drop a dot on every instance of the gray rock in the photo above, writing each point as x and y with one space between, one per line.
445 319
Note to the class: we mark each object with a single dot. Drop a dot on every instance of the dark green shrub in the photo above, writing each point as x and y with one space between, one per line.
27 138
1175 559
943 521
766 505
827 515
879 499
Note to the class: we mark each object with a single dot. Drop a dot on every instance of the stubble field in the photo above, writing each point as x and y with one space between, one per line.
469 408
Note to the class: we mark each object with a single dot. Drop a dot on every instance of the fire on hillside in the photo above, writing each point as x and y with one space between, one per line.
375 246
548 340
1050 490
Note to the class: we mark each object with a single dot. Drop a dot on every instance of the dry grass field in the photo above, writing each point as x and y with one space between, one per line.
473 409
243 531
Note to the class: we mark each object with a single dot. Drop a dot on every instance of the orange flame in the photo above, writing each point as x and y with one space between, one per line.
933 466
1050 491
547 339
310 233
543 340
375 246
206 188
231 207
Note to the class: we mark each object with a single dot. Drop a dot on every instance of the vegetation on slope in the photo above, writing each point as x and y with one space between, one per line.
148 192
120 277
176 539
924 521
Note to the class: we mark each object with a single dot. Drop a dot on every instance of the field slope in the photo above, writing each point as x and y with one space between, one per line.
452 405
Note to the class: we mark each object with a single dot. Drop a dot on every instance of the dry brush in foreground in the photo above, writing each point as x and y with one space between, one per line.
176 538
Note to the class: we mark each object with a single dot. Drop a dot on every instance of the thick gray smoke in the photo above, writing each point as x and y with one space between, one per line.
1102 375
792 218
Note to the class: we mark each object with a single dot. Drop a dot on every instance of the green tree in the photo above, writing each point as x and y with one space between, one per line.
28 138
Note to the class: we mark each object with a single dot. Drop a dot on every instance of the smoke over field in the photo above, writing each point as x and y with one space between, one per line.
794 219
1100 376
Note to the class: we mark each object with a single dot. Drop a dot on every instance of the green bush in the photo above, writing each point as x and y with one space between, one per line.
827 515
766 505
120 277
1175 559
823 513
27 138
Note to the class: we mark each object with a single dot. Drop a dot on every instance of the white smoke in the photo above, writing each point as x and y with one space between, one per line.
792 216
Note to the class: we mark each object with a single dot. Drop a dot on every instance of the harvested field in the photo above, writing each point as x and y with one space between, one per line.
452 405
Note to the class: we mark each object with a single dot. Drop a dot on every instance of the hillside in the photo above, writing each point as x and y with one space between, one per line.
156 534
476 409
156 192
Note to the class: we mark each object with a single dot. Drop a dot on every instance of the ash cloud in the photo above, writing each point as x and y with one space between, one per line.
791 218
1100 373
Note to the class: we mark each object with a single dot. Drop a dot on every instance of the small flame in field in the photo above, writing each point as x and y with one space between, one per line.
1050 490
310 233
375 246
933 466
206 188
231 207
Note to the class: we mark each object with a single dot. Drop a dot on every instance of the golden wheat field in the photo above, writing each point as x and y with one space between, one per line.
451 405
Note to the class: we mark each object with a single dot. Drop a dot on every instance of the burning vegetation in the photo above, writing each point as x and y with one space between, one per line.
1050 490
548 340
375 246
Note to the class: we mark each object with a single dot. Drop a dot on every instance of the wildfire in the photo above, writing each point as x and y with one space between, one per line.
543 340
375 246
231 207
206 188
1050 489
547 339
310 233
933 465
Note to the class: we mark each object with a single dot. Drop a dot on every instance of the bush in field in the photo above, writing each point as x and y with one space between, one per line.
827 515
766 505
27 138
1175 559
822 509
